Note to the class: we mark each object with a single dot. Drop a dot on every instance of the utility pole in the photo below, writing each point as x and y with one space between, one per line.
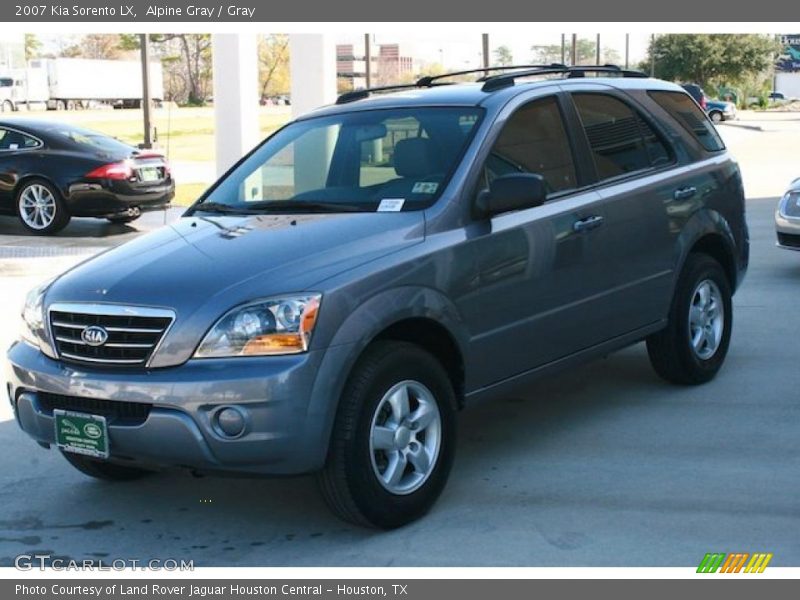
485 40
627 49
563 49
144 42
597 51
574 50
652 55
368 60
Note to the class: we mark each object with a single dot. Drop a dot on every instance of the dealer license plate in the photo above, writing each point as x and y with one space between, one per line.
81 433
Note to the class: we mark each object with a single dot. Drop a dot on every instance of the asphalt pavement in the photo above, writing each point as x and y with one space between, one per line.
605 465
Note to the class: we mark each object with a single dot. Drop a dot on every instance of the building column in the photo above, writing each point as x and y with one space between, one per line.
313 71
235 96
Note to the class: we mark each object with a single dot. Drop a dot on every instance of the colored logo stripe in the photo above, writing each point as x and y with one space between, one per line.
734 562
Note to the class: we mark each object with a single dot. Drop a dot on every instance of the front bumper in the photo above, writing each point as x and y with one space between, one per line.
288 411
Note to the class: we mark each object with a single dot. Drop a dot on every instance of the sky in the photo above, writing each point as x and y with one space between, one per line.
452 50
458 51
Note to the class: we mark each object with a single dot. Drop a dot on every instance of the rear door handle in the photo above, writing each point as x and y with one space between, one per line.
684 193
587 224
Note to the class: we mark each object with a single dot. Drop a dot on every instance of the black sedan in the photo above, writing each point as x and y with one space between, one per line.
51 172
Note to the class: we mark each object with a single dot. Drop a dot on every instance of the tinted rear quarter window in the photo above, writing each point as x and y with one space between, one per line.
620 139
684 110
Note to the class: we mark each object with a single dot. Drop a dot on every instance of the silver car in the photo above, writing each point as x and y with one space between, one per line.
787 218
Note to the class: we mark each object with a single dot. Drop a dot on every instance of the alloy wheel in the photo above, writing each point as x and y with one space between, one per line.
37 206
706 319
405 437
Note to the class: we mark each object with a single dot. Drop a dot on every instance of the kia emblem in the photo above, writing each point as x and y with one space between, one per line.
94 335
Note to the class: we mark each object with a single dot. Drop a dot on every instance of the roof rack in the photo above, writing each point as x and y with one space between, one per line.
492 82
432 80
497 82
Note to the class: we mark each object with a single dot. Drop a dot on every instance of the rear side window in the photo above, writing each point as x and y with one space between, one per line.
534 141
620 140
14 140
681 107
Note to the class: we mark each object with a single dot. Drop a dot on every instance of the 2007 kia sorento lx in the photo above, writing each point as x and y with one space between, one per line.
332 302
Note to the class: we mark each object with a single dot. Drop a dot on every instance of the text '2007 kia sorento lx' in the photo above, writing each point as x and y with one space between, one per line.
373 267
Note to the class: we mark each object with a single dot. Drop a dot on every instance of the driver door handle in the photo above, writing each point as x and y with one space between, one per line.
587 224
684 193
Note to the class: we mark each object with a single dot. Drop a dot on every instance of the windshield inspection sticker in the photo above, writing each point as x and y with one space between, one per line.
391 205
425 187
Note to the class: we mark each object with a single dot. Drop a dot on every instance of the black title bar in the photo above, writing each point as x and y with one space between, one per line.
182 11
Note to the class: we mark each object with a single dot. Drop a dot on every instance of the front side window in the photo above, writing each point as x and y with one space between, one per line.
620 140
534 141
351 162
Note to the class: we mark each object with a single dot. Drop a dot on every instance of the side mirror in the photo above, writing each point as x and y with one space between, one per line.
514 191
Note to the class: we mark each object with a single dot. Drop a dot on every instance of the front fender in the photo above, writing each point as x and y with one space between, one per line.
358 328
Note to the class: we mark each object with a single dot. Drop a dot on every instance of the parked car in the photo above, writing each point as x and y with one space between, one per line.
787 218
697 93
51 172
719 110
377 265
774 96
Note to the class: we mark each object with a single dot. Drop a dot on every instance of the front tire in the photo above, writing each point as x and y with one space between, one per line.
694 344
40 207
100 469
393 440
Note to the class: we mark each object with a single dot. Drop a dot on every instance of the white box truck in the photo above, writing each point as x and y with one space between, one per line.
82 82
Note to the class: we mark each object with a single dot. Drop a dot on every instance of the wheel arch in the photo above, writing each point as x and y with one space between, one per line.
709 232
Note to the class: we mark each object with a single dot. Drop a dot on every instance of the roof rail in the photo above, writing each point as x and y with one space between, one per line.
492 82
503 80
431 80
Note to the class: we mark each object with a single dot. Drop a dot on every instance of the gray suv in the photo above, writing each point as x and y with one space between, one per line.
335 299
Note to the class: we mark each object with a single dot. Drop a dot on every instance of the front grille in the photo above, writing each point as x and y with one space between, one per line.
132 333
131 413
788 240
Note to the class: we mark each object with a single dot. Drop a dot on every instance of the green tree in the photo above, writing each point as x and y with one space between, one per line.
712 60
503 56
273 64
32 46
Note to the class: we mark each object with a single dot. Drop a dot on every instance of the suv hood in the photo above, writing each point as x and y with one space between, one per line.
216 262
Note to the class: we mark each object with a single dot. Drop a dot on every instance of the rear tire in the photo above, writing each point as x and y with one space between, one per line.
393 440
694 344
100 469
716 117
40 207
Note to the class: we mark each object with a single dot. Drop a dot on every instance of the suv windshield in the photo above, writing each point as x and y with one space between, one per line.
393 159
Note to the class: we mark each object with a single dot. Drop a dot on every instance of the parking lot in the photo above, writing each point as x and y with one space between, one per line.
603 466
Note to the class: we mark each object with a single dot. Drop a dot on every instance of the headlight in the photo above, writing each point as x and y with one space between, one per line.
273 326
33 321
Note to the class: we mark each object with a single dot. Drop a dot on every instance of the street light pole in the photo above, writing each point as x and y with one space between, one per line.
485 40
563 48
368 60
144 42
627 49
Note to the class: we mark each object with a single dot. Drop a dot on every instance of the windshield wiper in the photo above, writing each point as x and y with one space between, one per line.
219 207
300 206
